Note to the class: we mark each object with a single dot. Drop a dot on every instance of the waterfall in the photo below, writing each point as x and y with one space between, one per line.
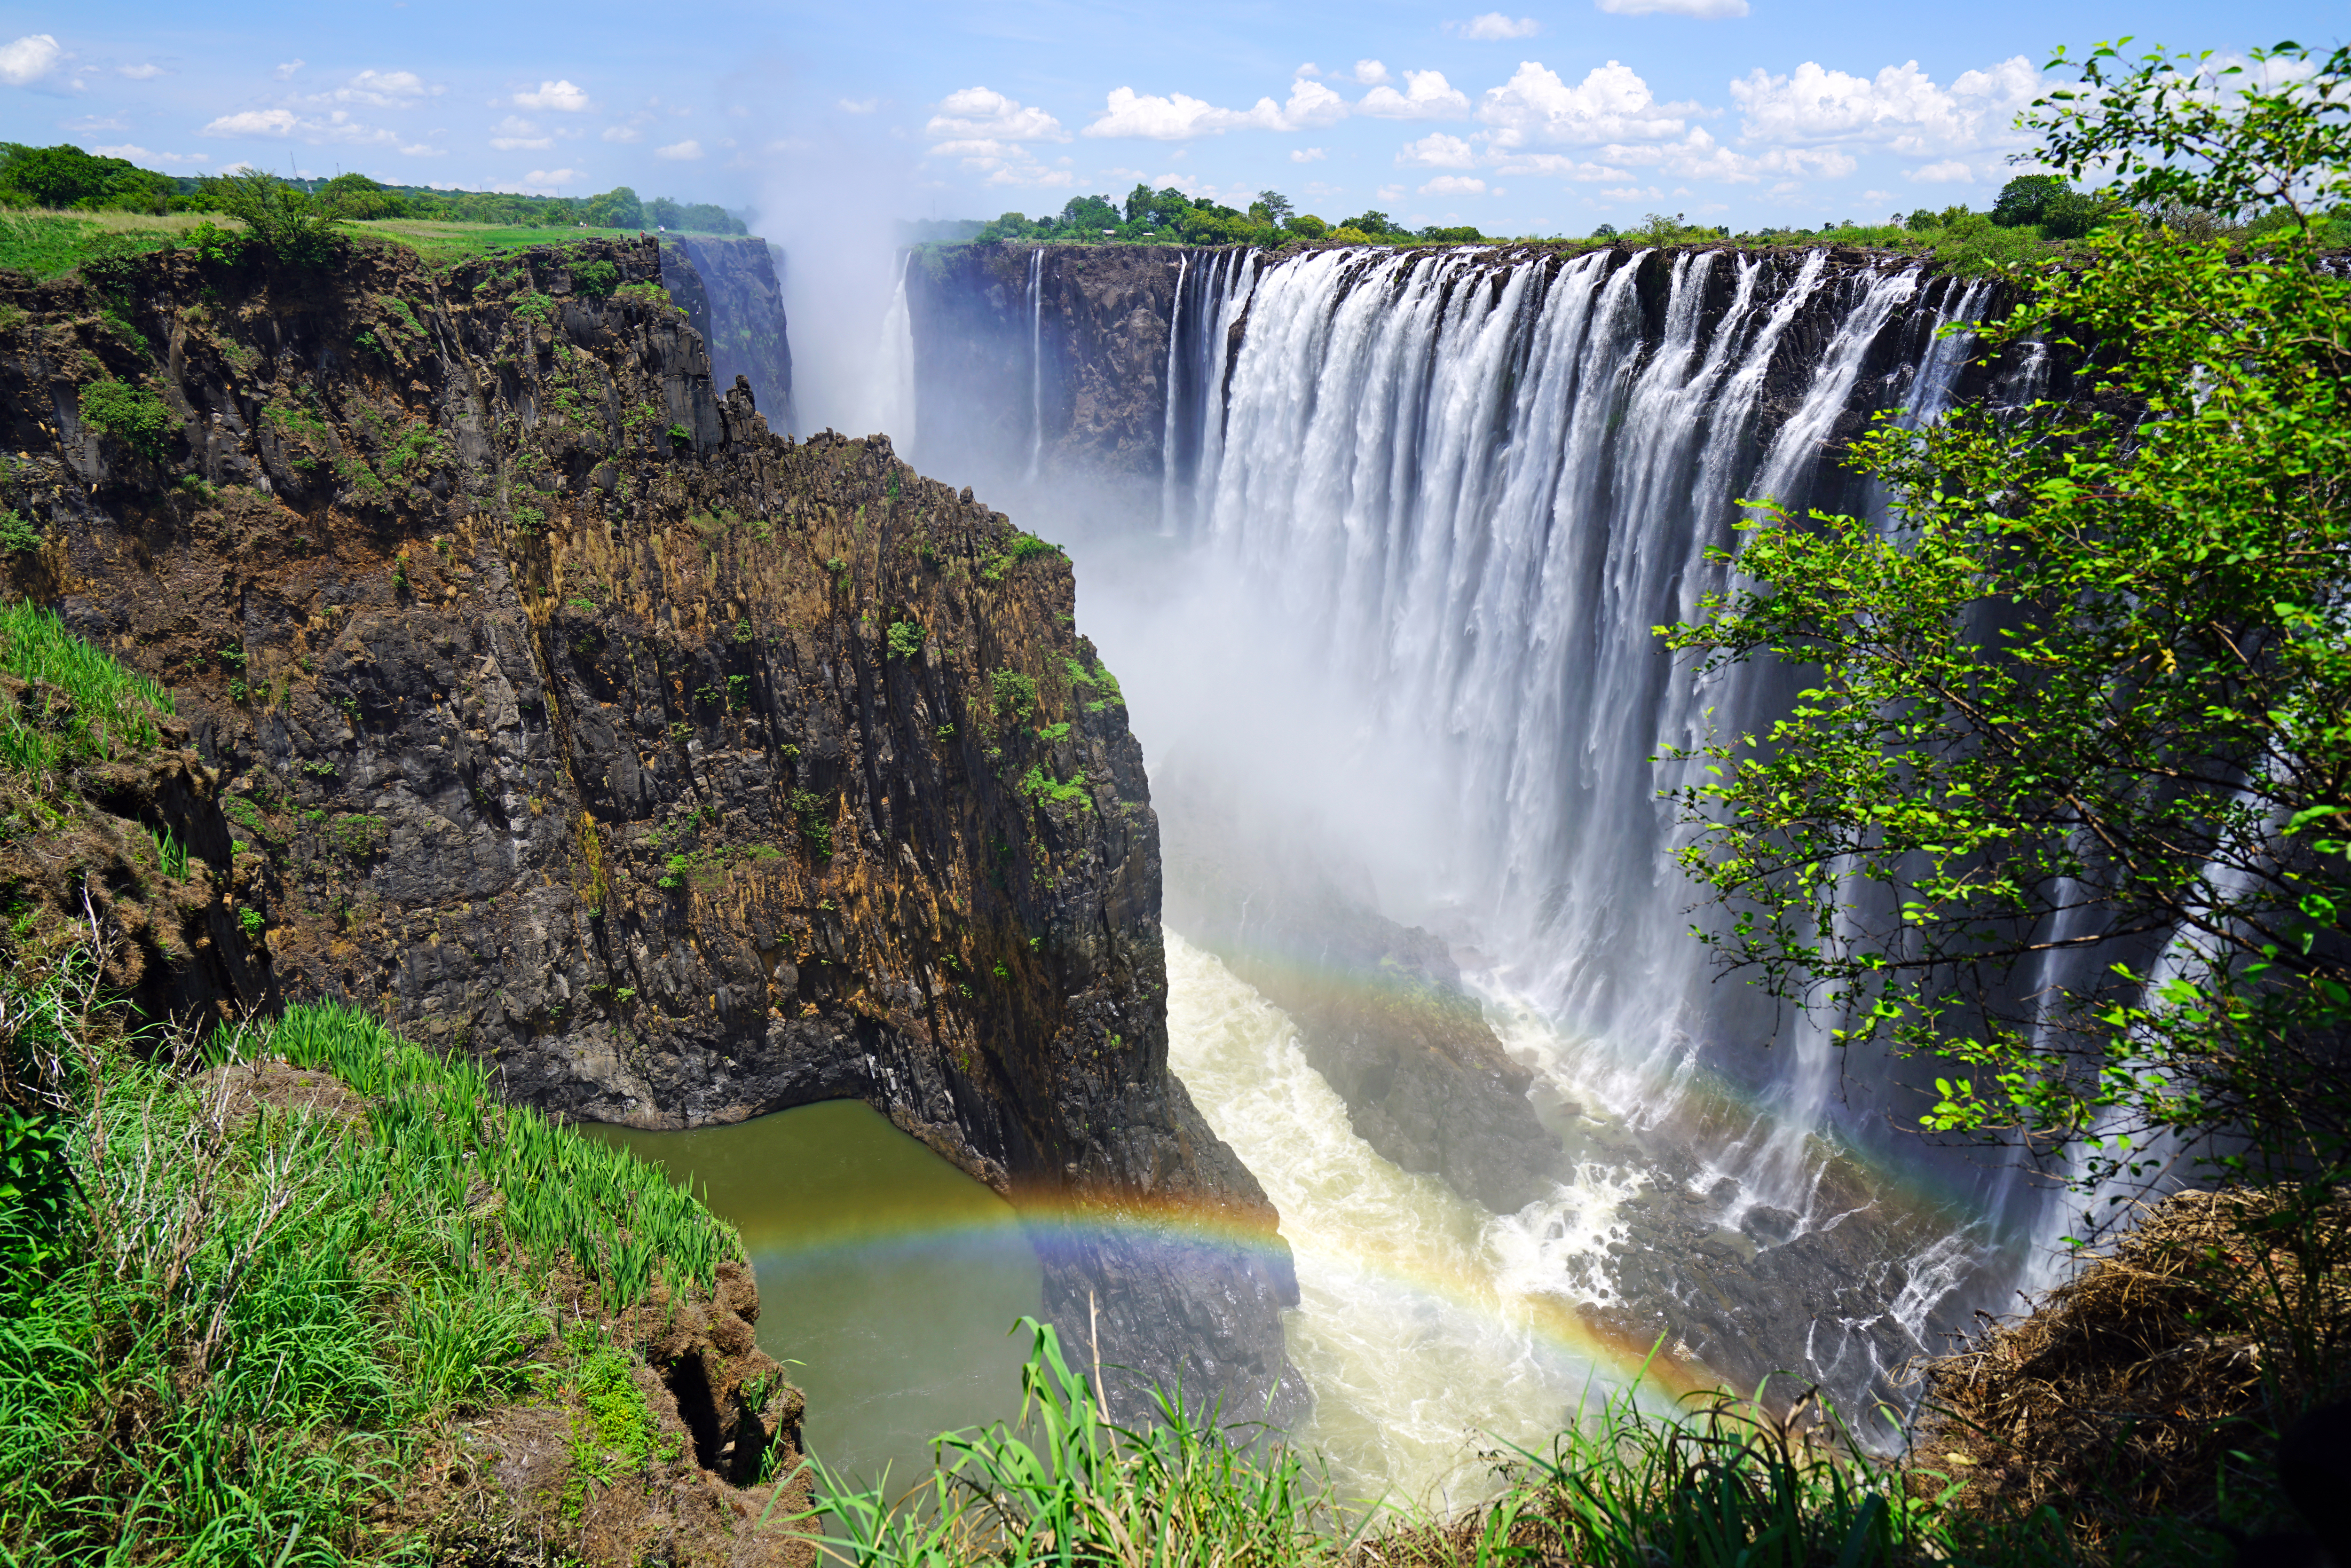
897 366
1036 359
1168 443
1477 483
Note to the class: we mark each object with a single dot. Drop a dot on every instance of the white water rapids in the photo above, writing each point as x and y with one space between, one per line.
1424 511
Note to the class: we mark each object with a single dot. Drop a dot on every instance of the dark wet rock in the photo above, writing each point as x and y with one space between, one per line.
1768 1226
732 291
556 716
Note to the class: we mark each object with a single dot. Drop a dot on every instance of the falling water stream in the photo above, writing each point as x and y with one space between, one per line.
1459 490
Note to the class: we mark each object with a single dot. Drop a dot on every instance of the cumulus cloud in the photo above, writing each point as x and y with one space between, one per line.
1438 151
1367 73
623 134
1635 193
254 122
1612 103
1706 10
286 72
1494 27
1901 107
139 73
29 58
514 133
338 127
557 96
385 89
983 113
1179 116
552 177
1557 165
1950 171
141 155
1307 155
685 152
1426 96
1455 185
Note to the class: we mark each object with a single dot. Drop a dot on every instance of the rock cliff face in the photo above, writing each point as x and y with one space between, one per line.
730 292
1100 339
567 716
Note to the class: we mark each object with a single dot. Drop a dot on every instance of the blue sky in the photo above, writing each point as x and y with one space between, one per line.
1543 117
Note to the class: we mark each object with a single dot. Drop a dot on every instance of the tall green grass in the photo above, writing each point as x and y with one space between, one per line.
82 703
620 1221
245 1325
1064 1486
1623 1485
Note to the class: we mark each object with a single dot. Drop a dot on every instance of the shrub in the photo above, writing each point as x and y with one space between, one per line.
18 535
287 220
131 413
905 639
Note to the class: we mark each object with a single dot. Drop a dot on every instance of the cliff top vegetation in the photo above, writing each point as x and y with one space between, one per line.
61 207
2035 218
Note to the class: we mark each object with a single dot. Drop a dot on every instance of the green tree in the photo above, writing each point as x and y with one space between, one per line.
617 208
355 196
1277 206
65 176
1090 215
286 220
2023 199
2088 696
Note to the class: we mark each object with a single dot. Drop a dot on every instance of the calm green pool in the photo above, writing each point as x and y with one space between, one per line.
887 1277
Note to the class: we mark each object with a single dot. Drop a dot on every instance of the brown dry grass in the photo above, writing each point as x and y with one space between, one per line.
2155 1382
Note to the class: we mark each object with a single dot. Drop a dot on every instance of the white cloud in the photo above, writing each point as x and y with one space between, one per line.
685 152
1635 193
286 72
139 73
1388 193
1307 155
857 105
983 112
141 156
1455 185
1428 96
90 123
385 89
338 127
1612 103
1901 107
1493 27
1438 151
514 133
1950 171
1369 73
623 134
559 96
1559 166
553 177
1178 117
1705 10
29 58
254 122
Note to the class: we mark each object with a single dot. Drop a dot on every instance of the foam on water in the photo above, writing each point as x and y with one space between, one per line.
1427 1328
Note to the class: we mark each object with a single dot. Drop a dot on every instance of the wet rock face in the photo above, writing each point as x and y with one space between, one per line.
567 716
1101 336
731 290
1380 1009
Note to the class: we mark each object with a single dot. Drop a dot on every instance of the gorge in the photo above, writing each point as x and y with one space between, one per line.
687 772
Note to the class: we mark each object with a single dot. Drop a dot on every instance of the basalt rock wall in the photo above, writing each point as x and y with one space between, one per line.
566 715
1069 340
733 294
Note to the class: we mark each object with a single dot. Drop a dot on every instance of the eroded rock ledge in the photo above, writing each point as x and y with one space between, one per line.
567 716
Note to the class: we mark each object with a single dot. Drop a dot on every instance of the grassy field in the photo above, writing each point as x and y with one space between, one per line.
46 244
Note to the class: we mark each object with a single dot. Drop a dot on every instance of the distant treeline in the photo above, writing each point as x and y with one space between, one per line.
2031 212
67 177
